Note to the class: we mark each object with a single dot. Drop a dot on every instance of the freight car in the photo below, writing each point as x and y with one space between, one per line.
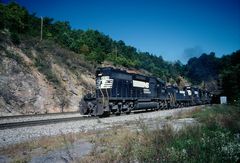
118 91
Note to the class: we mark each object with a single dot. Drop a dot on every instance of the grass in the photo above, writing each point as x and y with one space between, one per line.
45 67
50 53
215 139
185 114
220 116
19 60
23 152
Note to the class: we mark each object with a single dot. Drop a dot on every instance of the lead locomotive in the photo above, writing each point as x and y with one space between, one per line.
118 91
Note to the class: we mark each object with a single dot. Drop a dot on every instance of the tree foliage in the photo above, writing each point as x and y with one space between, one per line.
98 48
230 75
225 69
204 68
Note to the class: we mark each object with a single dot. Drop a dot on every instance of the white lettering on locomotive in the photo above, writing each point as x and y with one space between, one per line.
182 92
146 91
140 84
189 92
104 83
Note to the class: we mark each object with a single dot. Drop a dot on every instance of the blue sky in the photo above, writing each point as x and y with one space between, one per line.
174 29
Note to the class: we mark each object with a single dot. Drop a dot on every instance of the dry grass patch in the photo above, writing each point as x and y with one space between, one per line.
185 114
114 145
212 141
23 152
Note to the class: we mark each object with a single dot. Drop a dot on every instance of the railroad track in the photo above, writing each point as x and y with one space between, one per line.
36 115
30 123
11 125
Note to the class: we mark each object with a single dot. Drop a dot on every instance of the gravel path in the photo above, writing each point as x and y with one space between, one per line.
19 135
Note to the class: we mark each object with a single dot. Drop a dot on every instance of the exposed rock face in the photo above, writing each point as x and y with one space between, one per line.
17 87
26 89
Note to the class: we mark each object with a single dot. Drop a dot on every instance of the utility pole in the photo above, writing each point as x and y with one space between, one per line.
116 51
41 28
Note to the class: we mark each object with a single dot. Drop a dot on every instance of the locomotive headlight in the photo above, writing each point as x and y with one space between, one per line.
196 92
98 83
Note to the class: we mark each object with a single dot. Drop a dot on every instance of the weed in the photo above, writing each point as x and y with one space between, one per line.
68 143
44 66
15 38
16 57
23 152
198 143
221 116
186 114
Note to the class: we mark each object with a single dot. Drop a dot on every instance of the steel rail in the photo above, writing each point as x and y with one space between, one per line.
11 125
36 115
31 123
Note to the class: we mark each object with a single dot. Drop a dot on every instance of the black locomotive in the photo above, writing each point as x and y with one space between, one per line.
118 91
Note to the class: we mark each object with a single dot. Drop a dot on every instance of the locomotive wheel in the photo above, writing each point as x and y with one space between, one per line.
128 112
105 114
118 113
129 109
84 111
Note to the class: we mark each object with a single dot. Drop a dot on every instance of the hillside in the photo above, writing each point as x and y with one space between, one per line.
94 45
41 77
53 74
219 75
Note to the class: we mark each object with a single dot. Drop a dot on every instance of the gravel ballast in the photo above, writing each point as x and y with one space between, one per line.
38 117
23 134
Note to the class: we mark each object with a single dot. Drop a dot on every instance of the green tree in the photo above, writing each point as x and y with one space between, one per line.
13 17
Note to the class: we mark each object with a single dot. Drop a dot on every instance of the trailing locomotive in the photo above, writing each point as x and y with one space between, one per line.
118 91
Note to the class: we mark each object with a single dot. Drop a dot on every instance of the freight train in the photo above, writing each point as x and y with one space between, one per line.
118 91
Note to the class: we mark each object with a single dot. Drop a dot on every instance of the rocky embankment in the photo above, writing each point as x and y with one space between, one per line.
41 77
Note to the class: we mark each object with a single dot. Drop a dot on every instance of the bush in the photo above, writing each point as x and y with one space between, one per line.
15 38
15 57
220 116
199 143
44 66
